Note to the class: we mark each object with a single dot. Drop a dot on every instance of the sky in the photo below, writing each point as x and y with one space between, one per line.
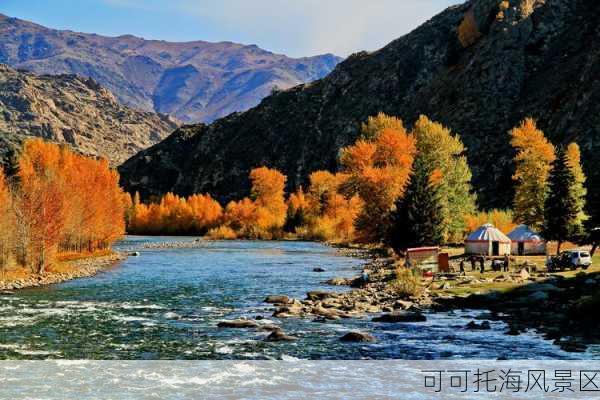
293 27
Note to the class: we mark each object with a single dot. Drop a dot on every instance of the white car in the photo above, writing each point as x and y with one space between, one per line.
570 259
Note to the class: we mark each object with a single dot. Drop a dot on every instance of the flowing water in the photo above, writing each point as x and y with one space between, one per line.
166 304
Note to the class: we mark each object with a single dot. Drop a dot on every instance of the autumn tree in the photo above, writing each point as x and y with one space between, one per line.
268 192
534 157
418 217
6 221
563 204
377 167
501 219
445 153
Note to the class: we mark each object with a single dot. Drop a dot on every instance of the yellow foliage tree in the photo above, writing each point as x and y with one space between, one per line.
574 162
533 160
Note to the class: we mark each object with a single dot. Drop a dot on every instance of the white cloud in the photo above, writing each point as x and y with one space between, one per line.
304 27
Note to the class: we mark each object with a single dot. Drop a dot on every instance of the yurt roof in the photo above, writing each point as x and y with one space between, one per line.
488 233
523 233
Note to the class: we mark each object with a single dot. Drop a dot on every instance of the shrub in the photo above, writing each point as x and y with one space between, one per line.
221 233
407 282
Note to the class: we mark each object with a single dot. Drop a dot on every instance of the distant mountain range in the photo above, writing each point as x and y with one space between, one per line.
76 111
193 81
479 68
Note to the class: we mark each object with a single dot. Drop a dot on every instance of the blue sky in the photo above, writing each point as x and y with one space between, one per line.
293 27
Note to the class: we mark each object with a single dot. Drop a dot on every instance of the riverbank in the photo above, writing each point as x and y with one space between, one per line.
62 272
559 306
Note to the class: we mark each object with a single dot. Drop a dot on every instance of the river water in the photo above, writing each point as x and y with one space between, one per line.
166 304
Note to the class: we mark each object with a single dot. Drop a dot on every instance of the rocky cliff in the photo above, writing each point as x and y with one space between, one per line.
509 60
194 81
73 110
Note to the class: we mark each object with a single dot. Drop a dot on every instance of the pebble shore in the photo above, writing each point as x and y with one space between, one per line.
78 269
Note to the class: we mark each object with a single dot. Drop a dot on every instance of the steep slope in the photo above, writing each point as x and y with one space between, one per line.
194 81
77 111
528 58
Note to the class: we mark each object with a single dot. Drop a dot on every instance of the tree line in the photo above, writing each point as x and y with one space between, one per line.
394 186
57 203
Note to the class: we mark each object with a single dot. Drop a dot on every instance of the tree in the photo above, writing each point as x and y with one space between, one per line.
574 163
7 221
445 152
377 169
268 191
418 218
501 219
533 161
563 207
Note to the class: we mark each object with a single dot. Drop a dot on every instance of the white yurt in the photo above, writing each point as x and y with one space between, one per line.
487 241
526 242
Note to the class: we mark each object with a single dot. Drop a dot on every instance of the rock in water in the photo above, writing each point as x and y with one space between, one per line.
318 269
318 295
401 316
474 326
357 337
238 323
277 299
280 336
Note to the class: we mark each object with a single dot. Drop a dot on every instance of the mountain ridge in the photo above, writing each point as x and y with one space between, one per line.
75 111
194 81
527 58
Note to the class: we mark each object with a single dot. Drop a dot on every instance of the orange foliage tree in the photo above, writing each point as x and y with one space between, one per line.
174 215
377 169
501 219
7 222
63 202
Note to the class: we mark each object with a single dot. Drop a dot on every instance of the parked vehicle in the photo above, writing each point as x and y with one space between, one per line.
570 259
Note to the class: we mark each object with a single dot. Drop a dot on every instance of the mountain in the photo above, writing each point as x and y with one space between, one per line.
73 110
194 81
515 59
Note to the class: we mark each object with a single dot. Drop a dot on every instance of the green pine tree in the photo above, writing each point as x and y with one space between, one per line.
418 217
445 152
563 206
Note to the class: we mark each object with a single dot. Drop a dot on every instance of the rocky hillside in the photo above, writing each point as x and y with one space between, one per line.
514 58
77 111
194 81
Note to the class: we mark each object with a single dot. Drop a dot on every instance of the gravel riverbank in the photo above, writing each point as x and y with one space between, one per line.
70 270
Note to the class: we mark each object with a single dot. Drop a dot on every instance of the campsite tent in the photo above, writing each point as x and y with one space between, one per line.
526 242
488 241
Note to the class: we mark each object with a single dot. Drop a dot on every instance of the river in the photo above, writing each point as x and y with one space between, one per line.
166 303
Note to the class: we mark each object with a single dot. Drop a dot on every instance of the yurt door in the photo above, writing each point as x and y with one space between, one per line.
521 248
495 248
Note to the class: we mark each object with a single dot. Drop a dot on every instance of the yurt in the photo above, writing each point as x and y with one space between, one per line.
526 242
487 241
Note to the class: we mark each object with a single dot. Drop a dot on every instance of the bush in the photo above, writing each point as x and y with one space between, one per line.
221 233
407 282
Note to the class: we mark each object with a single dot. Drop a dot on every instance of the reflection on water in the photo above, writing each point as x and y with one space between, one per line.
166 304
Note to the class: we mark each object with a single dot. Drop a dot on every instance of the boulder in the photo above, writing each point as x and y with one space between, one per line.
277 299
474 326
318 295
279 336
401 316
318 269
238 323
339 282
357 337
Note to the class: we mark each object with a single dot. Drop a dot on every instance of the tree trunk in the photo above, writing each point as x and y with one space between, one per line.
558 247
594 247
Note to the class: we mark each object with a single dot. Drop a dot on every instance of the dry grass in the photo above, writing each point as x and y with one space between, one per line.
407 282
